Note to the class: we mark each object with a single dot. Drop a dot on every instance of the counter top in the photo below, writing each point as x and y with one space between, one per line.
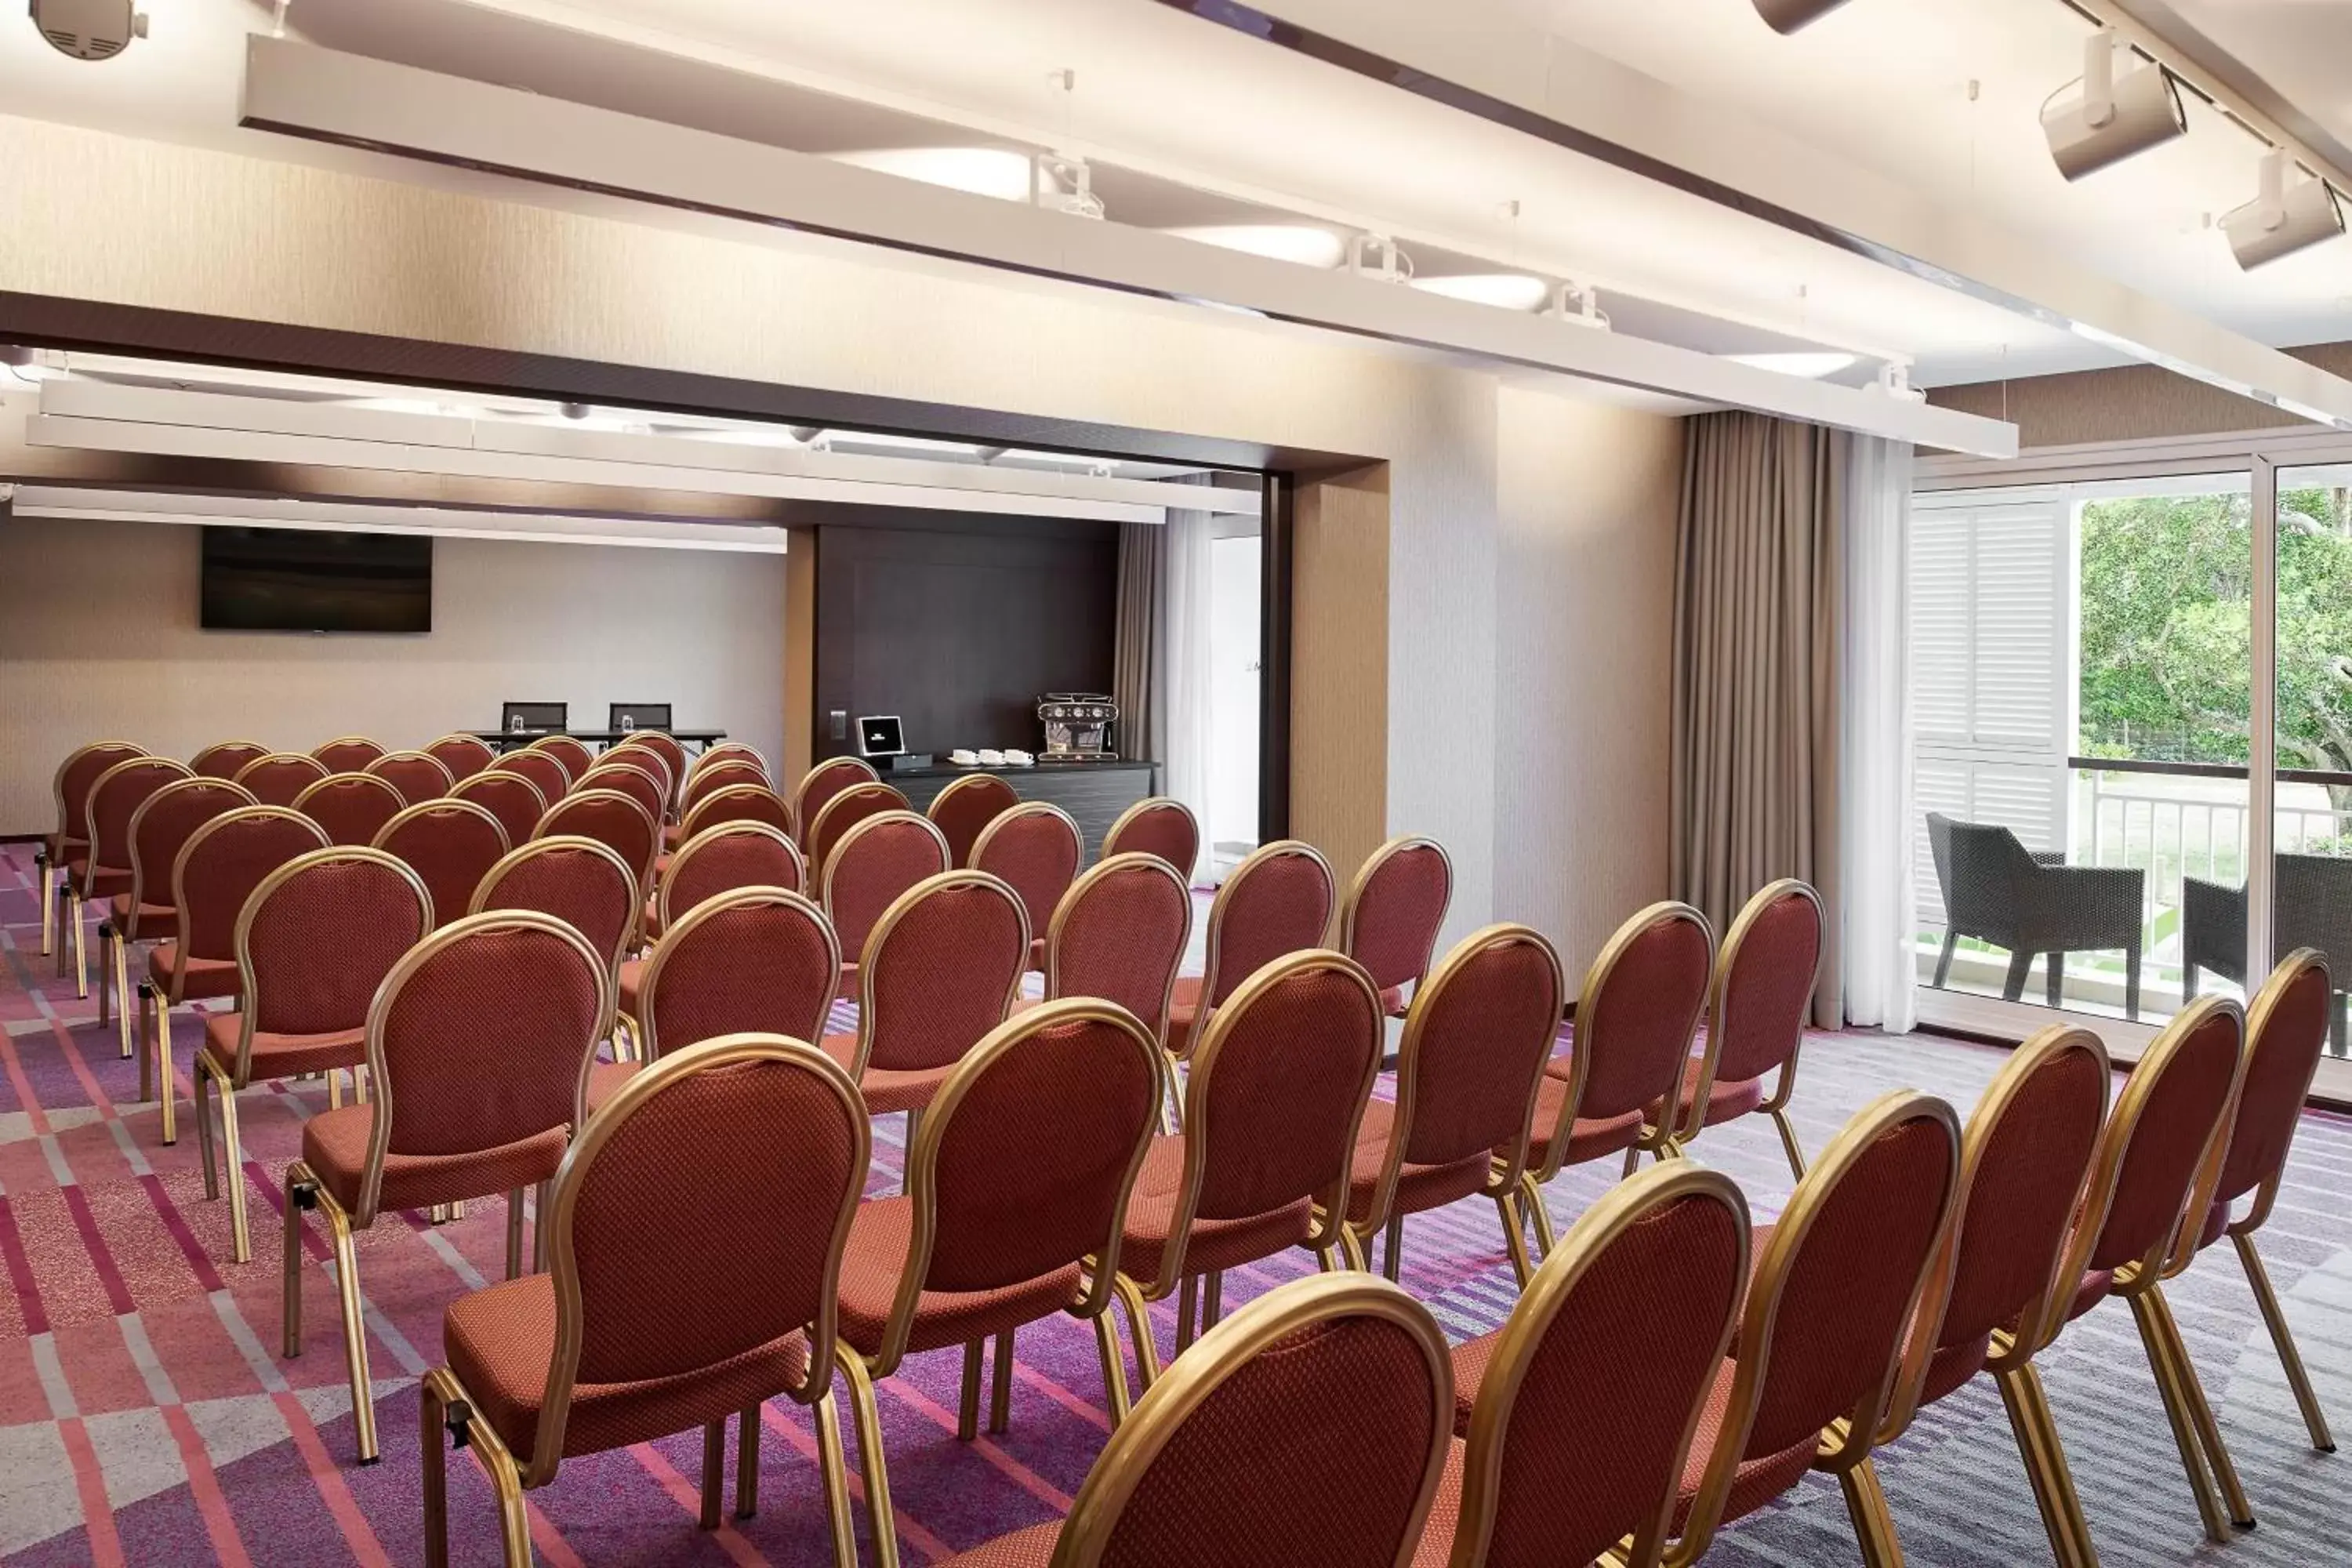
1043 765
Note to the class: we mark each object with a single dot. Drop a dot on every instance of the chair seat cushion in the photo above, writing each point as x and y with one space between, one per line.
1952 1366
1214 1243
1183 1007
282 1055
1030 1548
630 981
2217 1225
889 1090
1725 1099
1419 1187
604 1081
335 1144
650 919
1393 1002
500 1340
1470 1360
2096 1286
877 1256
1591 1138
104 882
206 978
155 920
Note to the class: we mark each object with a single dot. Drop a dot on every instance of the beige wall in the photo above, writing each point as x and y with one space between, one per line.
2133 403
110 648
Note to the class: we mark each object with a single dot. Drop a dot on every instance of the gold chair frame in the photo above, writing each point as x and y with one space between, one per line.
459 738
857 830
55 879
1776 1105
345 741
858 765
113 965
1103 872
1354 897
643 875
1281 848
822 864
336 780
1155 803
441 806
123 939
692 825
966 786
282 757
716 833
530 849
256 747
647 1033
887 921
1048 809
448 778
458 791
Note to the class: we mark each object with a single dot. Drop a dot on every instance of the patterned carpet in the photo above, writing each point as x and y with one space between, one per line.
146 1418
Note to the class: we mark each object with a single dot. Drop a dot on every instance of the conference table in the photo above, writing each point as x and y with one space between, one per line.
508 739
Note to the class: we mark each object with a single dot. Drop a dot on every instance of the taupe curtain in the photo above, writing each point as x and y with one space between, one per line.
1753 790
1137 639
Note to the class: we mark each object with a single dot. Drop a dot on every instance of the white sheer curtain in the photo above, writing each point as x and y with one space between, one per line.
1188 736
1875 738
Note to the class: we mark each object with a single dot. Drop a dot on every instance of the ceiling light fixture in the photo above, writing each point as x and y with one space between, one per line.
1377 256
2114 117
1004 172
1304 244
1811 364
1578 304
1785 16
2282 220
24 365
1504 290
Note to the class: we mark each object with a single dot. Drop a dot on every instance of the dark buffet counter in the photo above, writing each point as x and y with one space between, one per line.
1092 793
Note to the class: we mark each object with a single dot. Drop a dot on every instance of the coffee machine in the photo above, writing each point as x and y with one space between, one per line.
1078 726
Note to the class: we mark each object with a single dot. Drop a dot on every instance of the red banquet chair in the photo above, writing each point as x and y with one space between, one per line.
746 1154
578 880
1272 1106
463 755
817 787
451 845
878 860
575 756
738 803
223 759
1474 1043
352 808
159 829
419 776
635 783
750 961
513 799
1579 1413
2025 1160
280 778
1161 827
1634 1020
720 859
617 821
728 753
346 753
636 754
843 812
669 748
727 772
1037 849
1311 1428
106 873
1278 901
62 857
478 1045
314 940
1015 1188
965 806
217 871
1119 933
940 971
547 775
1763 991
1389 920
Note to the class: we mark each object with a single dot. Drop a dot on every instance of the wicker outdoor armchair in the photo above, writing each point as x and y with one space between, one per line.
2311 906
2031 902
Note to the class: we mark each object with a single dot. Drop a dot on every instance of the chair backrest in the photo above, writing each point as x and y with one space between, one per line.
463 755
967 806
574 755
316 939
1978 865
161 828
2025 1159
747 801
280 778
941 969
78 775
720 859
1389 920
1119 933
513 799
1830 1295
417 776
648 760
819 786
352 808
746 1154
451 845
347 753
876 861
618 821
711 777
548 776
1276 1094
482 1037
1210 1470
1481 1028
2312 895
1637 1015
1278 901
1161 827
578 880
842 811
223 862
222 759
1038 848
2286 1031
752 961
1592 1390
1022 1164
621 778
116 798
711 757
668 747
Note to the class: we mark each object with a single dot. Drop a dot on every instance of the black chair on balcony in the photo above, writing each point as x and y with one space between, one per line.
2032 902
2311 906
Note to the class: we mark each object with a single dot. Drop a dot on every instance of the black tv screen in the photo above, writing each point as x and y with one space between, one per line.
303 580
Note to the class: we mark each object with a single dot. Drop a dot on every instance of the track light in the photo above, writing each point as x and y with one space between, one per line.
2114 117
1785 16
1378 256
2280 222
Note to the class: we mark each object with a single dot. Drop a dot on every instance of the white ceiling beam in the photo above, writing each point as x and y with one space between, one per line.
352 100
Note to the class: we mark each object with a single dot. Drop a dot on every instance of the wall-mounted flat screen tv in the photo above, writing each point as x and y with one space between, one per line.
304 580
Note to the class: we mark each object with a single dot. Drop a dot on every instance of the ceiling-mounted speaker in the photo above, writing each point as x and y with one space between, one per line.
88 29
2283 219
1786 16
2113 117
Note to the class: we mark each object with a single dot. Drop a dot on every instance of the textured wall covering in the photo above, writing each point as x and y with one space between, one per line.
110 648
2134 403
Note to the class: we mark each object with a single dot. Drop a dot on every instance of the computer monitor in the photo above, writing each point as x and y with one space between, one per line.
880 736
638 716
533 718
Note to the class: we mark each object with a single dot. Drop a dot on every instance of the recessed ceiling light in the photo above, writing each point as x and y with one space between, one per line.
999 172
1815 366
1505 291
1303 243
